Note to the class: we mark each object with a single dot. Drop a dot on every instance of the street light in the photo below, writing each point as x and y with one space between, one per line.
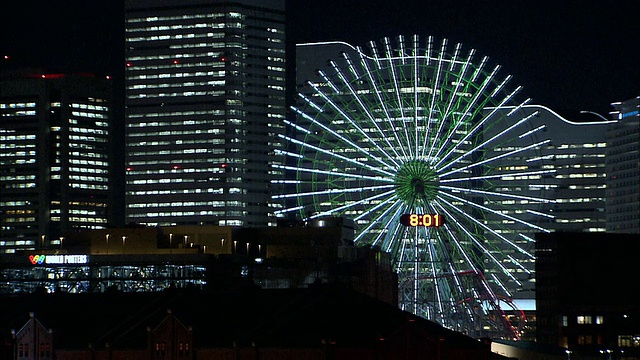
185 241
170 242
107 239
42 243
124 238
61 240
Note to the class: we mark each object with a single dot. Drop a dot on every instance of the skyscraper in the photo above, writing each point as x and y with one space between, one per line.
204 104
623 168
54 157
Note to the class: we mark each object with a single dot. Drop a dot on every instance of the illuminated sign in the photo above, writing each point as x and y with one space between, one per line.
58 259
426 220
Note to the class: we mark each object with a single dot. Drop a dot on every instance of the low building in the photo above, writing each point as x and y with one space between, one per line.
143 259
587 294
320 322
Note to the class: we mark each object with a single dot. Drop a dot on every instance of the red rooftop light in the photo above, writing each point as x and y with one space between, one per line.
129 64
175 61
52 76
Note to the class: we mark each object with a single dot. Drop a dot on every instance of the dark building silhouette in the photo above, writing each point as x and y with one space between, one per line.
587 294
320 322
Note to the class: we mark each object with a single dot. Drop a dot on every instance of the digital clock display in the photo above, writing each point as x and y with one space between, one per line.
426 220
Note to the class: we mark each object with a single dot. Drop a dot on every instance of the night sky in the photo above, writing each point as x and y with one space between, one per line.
573 55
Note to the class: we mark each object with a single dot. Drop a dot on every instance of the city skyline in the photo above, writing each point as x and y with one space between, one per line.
565 56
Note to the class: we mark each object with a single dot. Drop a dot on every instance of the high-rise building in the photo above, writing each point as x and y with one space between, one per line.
204 104
623 168
54 157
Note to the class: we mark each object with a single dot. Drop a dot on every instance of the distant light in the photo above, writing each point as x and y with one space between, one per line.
176 167
259 260
108 77
129 64
223 165
7 57
129 168
223 59
175 61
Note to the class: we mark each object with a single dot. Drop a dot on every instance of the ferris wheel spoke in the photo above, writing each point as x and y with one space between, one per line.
375 208
452 99
477 127
507 154
469 108
333 191
486 251
352 204
336 155
338 136
498 176
491 139
344 115
484 208
363 107
396 86
335 173
383 105
377 220
391 223
434 96
500 194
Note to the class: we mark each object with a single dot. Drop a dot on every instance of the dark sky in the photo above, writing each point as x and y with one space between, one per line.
575 55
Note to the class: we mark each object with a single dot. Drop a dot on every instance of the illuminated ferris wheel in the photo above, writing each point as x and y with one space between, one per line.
424 149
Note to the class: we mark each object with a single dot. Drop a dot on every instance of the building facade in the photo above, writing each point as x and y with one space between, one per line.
54 156
204 104
623 168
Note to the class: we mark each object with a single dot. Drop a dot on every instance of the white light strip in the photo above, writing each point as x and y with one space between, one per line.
329 82
332 154
453 97
495 158
496 213
346 117
340 208
526 173
340 137
332 191
532 131
510 196
366 111
382 102
469 106
540 214
484 226
494 137
316 171
434 95
288 210
477 127
308 101
299 128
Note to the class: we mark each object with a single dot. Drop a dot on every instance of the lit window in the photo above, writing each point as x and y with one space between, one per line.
584 319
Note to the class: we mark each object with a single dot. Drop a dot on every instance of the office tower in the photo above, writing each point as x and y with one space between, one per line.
623 165
204 105
54 156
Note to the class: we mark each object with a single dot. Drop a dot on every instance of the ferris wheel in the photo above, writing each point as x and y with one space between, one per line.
424 148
